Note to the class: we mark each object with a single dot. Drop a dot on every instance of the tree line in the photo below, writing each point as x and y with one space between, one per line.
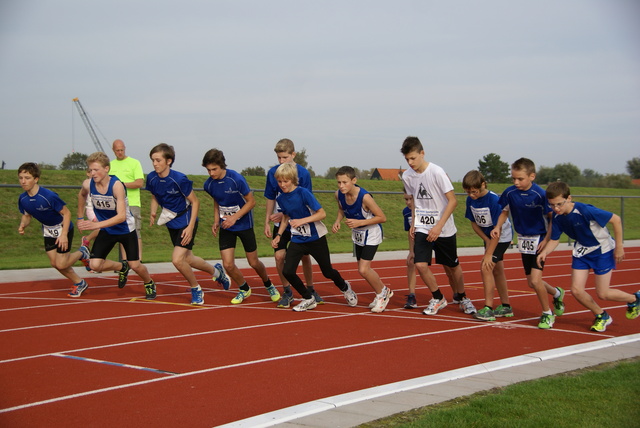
494 169
497 171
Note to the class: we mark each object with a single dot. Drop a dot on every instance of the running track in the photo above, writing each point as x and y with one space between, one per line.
110 358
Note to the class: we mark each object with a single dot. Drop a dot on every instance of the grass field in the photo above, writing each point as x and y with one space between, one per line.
17 251
604 395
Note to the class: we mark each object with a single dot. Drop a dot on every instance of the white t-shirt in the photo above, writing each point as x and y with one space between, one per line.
428 190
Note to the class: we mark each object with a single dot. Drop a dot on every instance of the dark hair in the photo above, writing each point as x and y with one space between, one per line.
346 170
31 168
524 164
411 144
215 157
473 180
558 188
167 152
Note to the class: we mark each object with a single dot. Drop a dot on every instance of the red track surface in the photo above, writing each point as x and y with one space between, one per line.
111 359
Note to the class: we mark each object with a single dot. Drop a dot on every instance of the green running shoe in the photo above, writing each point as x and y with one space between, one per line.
485 314
503 311
546 321
601 322
273 293
241 296
633 309
558 303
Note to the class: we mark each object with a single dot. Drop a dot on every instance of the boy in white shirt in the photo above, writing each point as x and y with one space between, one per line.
433 227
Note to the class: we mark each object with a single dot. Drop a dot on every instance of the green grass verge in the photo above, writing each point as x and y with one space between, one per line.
600 396
19 252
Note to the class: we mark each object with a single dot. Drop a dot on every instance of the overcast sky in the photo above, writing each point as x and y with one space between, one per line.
555 81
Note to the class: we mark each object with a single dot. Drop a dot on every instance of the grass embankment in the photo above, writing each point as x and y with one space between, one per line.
601 396
25 251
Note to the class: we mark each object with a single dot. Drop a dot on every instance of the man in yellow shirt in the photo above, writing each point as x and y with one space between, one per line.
129 171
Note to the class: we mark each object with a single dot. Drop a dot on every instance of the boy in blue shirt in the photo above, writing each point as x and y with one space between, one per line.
304 214
57 228
527 203
593 249
233 203
116 225
365 218
173 191
483 211
286 152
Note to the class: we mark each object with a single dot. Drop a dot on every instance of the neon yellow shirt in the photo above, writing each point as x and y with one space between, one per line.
128 170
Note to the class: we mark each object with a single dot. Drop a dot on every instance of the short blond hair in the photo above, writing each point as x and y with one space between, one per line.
287 171
285 145
99 157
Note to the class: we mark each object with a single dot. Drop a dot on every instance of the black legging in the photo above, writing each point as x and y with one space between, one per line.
319 250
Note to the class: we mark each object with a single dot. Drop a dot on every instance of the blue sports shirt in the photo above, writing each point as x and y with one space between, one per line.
301 203
528 209
228 192
171 193
587 225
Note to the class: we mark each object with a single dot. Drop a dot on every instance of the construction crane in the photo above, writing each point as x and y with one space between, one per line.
87 123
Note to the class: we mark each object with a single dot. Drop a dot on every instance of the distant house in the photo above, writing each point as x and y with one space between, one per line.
387 174
636 181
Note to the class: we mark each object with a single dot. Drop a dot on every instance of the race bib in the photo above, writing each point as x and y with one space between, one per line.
528 244
482 216
580 250
304 230
358 236
166 216
103 202
228 211
426 218
52 231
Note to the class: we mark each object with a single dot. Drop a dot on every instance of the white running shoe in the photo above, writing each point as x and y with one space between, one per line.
466 306
350 296
383 301
305 305
374 303
434 306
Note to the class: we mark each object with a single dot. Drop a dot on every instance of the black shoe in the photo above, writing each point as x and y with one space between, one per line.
123 274
150 290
